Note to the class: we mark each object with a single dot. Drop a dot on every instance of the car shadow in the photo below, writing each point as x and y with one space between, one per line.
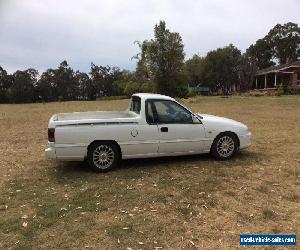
81 168
242 157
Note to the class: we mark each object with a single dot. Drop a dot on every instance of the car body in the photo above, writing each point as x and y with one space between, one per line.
154 125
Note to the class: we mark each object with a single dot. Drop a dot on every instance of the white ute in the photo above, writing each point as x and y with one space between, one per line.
153 125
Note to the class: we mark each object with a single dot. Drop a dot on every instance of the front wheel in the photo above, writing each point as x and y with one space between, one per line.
103 156
224 146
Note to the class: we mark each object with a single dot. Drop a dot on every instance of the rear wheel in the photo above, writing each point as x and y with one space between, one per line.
103 156
224 146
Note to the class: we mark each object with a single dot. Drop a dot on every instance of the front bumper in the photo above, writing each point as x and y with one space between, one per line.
245 140
50 153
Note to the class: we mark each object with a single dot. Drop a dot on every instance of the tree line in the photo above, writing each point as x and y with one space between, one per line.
160 67
227 69
65 84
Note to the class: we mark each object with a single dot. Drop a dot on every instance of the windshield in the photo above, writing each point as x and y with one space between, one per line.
135 104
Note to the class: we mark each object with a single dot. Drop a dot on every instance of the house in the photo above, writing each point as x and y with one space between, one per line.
272 77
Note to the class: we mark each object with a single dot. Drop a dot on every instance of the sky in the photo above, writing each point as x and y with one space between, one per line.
42 33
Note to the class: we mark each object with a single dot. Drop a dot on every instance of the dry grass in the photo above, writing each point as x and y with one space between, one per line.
173 203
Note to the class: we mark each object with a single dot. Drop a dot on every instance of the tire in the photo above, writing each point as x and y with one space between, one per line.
103 156
224 146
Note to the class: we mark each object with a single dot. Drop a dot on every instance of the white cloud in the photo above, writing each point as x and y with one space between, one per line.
41 34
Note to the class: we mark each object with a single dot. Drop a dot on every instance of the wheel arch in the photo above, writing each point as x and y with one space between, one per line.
107 141
227 132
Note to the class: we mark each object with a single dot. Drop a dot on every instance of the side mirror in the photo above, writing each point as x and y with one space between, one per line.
196 120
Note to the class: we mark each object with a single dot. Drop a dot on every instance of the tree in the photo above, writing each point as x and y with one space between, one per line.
285 42
246 72
103 77
162 59
222 67
122 81
5 84
194 69
148 87
86 90
261 53
22 88
65 84
281 44
131 88
142 71
46 86
58 84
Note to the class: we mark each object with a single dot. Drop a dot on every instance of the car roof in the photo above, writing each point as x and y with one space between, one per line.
153 96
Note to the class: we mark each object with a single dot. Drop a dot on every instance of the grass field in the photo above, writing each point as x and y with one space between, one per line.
169 203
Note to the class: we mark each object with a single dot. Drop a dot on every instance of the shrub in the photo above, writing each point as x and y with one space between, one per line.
280 90
294 91
286 89
191 93
256 93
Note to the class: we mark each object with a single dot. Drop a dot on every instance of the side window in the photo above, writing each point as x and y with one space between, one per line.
135 104
171 112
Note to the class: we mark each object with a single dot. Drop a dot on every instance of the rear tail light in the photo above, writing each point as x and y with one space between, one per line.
51 134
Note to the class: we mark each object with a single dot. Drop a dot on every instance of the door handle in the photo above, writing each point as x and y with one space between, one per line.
164 129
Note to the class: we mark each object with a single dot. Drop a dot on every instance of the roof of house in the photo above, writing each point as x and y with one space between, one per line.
278 68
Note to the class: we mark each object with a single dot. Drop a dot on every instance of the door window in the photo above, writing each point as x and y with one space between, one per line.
171 112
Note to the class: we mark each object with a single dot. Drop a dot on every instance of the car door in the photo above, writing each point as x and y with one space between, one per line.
177 130
140 139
